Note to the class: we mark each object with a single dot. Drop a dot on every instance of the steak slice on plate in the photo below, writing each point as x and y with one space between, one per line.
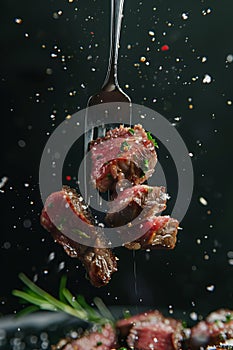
99 338
216 329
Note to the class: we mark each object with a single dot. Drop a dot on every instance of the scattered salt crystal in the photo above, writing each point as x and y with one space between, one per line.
143 59
203 201
21 143
230 254
207 79
151 33
51 256
193 316
3 181
61 266
203 59
18 20
27 223
229 58
184 16
210 288
229 102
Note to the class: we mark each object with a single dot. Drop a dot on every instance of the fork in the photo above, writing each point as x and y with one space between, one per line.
110 92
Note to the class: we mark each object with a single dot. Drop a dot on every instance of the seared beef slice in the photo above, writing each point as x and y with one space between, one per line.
58 216
132 201
124 153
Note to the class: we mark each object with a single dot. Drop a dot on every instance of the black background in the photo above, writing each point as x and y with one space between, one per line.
35 85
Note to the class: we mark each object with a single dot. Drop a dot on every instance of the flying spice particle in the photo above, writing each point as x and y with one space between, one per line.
165 48
203 201
18 20
68 178
207 79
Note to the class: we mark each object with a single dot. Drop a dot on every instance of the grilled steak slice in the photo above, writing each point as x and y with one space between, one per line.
123 326
161 336
130 203
99 263
220 347
97 339
151 330
124 153
160 231
216 329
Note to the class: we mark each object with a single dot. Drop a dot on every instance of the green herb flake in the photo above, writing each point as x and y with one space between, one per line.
124 146
146 164
126 314
99 343
80 233
131 131
109 176
150 138
184 324
228 318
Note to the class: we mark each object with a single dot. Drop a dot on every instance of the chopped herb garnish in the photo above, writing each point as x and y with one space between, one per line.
125 146
184 324
126 314
61 223
146 164
106 163
150 138
109 176
142 174
228 318
99 343
131 131
80 233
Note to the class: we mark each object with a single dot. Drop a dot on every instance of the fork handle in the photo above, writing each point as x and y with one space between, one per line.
111 81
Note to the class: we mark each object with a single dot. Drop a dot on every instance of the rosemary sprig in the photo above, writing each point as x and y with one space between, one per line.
75 306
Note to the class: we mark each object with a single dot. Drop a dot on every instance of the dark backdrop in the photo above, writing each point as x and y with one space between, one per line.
51 62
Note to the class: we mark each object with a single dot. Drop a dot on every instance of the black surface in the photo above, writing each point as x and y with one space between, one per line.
178 278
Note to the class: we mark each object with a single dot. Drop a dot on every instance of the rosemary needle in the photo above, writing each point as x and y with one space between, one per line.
75 306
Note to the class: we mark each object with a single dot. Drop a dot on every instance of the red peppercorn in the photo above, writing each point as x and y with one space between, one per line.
165 48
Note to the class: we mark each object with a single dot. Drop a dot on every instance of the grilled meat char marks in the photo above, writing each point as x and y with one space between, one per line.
99 263
124 153
216 329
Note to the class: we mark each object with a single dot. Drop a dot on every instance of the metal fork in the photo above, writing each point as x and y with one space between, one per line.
110 92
